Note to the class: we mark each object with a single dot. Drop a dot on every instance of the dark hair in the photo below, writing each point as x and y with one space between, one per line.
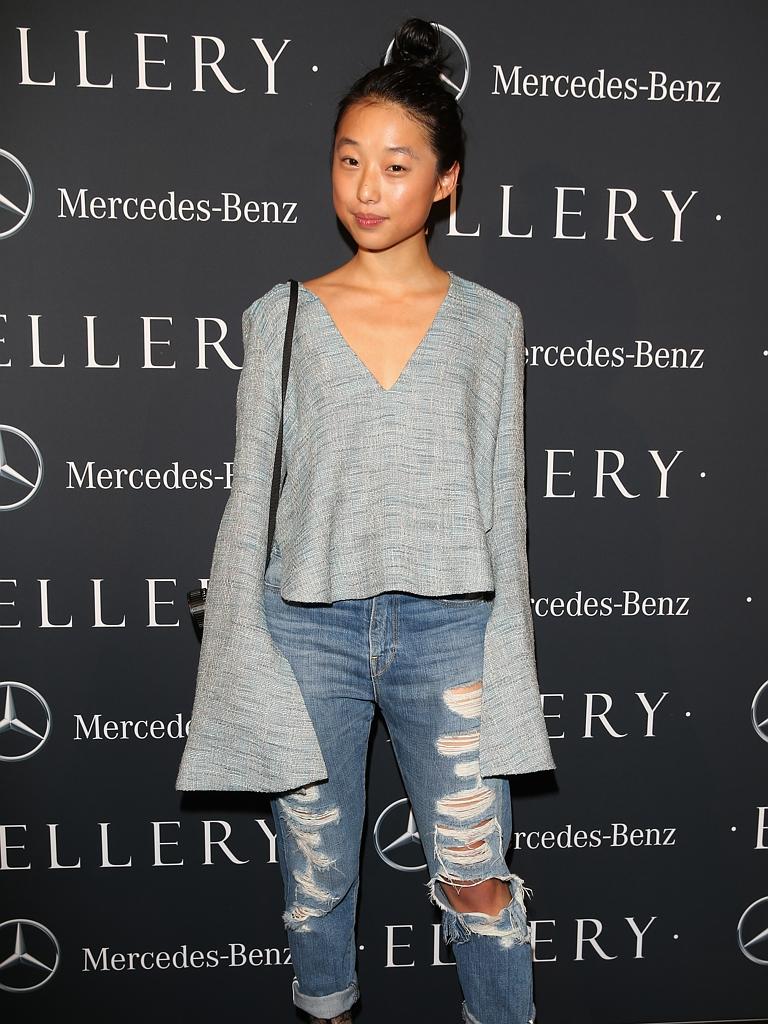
412 80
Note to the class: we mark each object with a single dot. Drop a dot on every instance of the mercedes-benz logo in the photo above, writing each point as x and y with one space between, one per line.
26 944
760 712
752 931
456 53
28 482
402 841
14 213
34 724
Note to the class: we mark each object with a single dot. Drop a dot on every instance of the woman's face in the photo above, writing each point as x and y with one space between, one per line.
383 167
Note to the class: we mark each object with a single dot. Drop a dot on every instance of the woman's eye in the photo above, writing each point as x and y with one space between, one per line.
397 167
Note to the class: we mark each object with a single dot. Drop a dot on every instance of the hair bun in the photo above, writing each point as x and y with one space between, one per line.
417 42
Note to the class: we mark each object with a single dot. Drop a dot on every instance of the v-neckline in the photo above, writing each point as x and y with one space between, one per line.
429 332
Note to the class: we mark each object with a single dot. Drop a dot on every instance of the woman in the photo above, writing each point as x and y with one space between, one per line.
398 575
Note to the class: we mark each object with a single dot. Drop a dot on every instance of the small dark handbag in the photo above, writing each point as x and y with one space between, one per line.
196 598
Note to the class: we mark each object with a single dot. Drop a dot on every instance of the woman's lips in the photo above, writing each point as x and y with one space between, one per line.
369 222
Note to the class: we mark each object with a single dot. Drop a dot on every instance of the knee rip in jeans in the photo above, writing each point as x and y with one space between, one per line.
510 924
305 826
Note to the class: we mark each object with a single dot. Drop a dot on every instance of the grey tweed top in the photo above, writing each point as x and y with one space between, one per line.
419 487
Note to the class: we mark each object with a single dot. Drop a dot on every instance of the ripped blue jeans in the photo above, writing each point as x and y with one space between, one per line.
420 660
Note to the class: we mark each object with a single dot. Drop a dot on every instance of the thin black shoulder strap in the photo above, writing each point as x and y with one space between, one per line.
277 469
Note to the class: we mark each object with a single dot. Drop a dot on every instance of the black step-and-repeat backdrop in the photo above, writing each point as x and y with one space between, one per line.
161 166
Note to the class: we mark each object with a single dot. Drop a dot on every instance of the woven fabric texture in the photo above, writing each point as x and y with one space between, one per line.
419 487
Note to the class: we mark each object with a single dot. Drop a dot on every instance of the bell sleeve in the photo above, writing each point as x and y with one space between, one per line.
249 728
513 733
